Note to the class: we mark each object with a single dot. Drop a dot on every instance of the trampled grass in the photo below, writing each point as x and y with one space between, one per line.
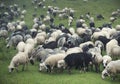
32 75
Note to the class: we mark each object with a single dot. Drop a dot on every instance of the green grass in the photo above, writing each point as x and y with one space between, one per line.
32 76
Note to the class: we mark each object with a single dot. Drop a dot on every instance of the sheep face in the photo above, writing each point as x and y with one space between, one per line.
104 74
32 61
42 67
104 63
61 63
10 69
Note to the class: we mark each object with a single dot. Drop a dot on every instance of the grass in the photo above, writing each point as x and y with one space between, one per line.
32 76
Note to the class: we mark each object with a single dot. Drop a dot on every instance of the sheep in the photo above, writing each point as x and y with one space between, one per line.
80 31
112 19
40 54
100 17
19 59
95 49
72 30
115 51
70 20
99 43
14 40
40 38
89 44
104 74
73 50
96 35
77 60
51 62
3 33
20 47
97 60
112 69
30 43
109 46
106 60
50 45
104 40
117 27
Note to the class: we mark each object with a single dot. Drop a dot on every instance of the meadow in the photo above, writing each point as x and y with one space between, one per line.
32 75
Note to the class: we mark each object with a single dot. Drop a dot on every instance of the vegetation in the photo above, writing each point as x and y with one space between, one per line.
32 75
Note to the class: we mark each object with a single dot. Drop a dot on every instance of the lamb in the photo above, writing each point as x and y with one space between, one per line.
51 62
19 59
106 60
111 69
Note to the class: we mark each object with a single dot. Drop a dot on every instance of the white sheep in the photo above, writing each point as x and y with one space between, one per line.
73 50
100 33
115 51
97 60
70 20
10 26
106 60
80 31
111 69
110 45
72 30
40 37
19 59
42 27
20 47
3 33
117 27
51 61
86 43
30 43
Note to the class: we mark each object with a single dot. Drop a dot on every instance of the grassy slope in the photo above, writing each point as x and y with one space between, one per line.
32 76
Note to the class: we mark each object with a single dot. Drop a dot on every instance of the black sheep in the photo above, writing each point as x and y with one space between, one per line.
104 40
50 45
78 60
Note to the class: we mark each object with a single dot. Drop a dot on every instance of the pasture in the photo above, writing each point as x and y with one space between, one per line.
32 75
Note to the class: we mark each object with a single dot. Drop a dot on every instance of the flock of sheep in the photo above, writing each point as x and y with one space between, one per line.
57 47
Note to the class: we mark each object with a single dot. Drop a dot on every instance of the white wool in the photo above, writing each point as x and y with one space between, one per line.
20 47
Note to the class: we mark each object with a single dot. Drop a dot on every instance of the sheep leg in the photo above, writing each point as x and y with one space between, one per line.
49 68
69 70
27 66
16 69
96 68
23 67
